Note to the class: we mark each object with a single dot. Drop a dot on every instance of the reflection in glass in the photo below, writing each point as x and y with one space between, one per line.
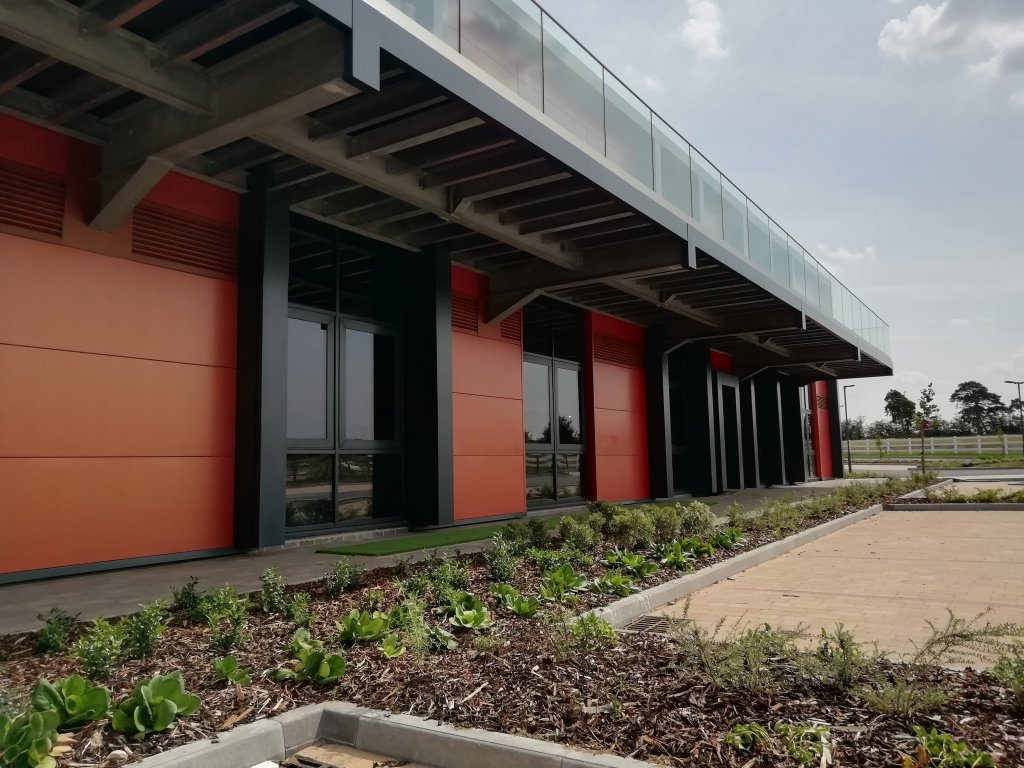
569 475
438 16
780 253
707 194
566 333
355 487
570 431
671 166
539 477
311 270
573 88
796 267
824 290
369 386
628 130
308 481
536 403
503 37
757 232
811 279
307 380
734 216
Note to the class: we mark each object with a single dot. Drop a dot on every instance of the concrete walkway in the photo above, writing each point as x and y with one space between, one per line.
883 578
115 593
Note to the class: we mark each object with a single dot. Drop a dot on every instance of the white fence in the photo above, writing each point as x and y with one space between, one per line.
1000 444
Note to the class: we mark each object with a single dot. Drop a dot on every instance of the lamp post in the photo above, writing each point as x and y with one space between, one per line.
1020 409
846 408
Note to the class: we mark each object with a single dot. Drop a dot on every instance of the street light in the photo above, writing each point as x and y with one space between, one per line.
1020 409
849 451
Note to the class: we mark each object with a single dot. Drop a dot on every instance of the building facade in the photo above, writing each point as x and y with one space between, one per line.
274 270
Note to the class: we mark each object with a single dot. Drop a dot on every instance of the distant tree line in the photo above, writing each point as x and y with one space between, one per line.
979 411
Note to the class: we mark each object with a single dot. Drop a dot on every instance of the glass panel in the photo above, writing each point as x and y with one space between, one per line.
671 166
539 476
537 402
569 477
628 131
355 487
308 480
573 89
503 37
811 279
370 405
537 328
438 16
836 291
780 253
825 290
760 244
570 429
796 267
566 334
707 194
307 380
734 216
311 260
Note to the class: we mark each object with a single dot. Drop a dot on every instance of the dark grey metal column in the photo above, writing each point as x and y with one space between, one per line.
260 405
835 432
770 446
426 295
691 366
659 427
792 429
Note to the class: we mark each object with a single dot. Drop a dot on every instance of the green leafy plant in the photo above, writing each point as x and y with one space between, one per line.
807 744
226 668
440 639
343 576
638 565
188 601
940 750
696 547
578 534
312 661
676 557
501 560
696 519
504 594
362 627
99 649
632 529
391 648
1009 671
470 618
446 572
458 599
56 631
590 633
549 559
525 607
142 630
372 600
614 583
299 610
728 538
734 515
747 736
272 599
74 699
227 615
30 740
558 583
154 705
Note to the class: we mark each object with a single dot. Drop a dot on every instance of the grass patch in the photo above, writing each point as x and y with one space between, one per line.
445 537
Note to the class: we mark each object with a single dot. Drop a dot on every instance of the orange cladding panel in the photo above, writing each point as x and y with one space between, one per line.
620 433
619 388
489 485
196 197
486 367
622 478
487 426
33 145
72 511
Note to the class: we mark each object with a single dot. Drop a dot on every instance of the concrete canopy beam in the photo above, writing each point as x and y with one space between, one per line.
787 319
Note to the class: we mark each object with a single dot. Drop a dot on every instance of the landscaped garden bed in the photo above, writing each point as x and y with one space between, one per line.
950 497
441 640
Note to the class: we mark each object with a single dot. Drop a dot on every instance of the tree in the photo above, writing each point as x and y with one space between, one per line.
927 410
978 406
854 428
1013 412
900 410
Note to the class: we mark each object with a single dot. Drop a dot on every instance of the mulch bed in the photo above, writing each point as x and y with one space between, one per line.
634 699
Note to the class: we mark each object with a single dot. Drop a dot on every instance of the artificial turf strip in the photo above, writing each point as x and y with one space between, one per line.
432 540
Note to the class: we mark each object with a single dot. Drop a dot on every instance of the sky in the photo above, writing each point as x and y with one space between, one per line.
886 136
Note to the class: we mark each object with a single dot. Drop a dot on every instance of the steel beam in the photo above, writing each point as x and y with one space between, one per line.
414 130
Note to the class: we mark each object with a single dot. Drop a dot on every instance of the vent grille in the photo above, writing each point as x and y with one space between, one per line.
31 199
171 236
822 403
512 328
648 623
610 349
465 312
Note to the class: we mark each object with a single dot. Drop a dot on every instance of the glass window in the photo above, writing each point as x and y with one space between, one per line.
573 87
308 480
311 269
566 333
438 16
780 253
368 486
811 279
796 267
369 386
734 216
707 194
628 131
537 402
760 243
671 166
503 37
569 475
570 424
539 475
307 395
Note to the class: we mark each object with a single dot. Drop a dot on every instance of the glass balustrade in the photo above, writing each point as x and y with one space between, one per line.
520 46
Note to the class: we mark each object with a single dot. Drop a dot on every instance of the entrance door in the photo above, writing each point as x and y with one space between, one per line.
806 416
730 436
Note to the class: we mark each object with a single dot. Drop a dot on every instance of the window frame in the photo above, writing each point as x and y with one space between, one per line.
327 321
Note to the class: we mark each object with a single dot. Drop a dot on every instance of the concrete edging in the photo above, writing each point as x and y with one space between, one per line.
393 736
952 506
622 612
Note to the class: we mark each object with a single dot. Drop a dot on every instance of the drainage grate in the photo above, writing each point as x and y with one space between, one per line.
654 624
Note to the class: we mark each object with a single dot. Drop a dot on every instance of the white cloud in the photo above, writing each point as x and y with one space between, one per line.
959 322
702 31
840 259
1017 99
918 35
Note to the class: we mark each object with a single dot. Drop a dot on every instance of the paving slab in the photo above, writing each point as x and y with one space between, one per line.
883 578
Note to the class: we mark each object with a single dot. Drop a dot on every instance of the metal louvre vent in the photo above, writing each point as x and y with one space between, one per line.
31 199
822 403
174 237
512 328
610 349
465 312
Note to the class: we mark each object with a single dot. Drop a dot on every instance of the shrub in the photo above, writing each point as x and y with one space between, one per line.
666 520
226 668
154 706
446 572
577 534
696 519
56 631
99 649
735 516
838 661
1009 671
516 536
632 529
606 510
549 559
299 611
312 661
272 599
372 600
142 630
188 601
226 614
537 532
344 575
501 560
903 698
75 701
31 739
590 633
413 629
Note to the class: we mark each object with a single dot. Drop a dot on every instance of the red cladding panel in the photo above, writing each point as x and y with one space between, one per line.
32 145
821 435
722 362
